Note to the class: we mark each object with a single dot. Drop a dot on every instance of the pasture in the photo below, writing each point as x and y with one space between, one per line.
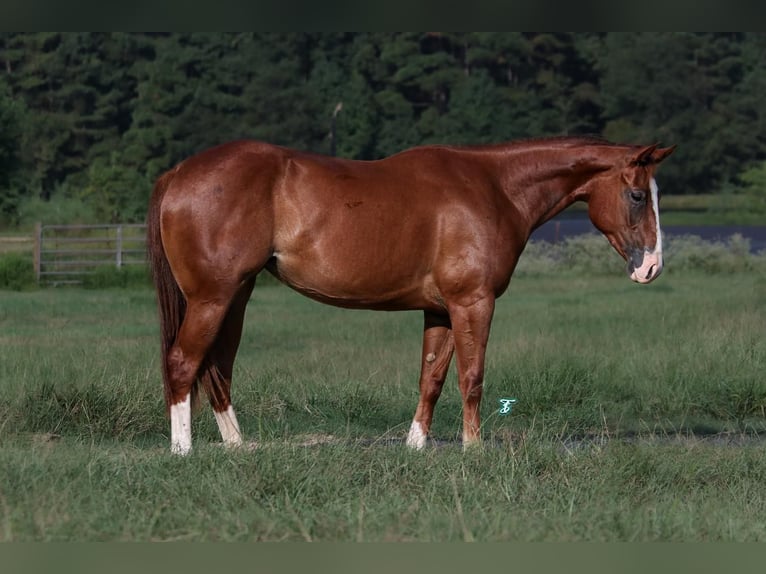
640 417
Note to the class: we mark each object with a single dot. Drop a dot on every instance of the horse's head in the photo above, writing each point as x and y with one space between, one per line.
624 206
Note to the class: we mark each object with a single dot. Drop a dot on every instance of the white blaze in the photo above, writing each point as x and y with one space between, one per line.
229 427
180 427
652 264
656 209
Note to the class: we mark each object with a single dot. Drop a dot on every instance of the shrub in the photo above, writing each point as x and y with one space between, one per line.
591 254
754 180
59 209
692 253
16 272
115 192
540 258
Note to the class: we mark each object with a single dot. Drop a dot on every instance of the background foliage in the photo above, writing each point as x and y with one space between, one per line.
92 118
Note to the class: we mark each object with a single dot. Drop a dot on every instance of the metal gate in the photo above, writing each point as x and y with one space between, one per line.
65 254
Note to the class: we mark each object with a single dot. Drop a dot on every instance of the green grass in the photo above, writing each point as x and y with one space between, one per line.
619 388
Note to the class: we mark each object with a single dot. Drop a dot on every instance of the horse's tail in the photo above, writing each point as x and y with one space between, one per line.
170 299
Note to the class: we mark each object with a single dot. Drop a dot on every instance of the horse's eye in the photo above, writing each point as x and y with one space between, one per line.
637 195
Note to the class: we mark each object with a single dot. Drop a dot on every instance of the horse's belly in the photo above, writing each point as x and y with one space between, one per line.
361 253
363 283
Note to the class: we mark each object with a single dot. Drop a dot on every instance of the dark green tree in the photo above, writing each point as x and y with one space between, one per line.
97 116
12 117
682 88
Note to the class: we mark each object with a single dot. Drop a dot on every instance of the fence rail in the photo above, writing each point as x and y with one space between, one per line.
66 254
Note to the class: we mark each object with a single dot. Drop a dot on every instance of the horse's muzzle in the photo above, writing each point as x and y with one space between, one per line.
644 266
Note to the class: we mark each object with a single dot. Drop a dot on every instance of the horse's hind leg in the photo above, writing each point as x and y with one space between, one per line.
196 336
217 374
438 346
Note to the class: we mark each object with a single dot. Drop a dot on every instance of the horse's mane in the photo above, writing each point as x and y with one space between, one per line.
589 139
563 141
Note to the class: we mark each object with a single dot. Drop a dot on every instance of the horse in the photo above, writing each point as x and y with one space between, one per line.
435 228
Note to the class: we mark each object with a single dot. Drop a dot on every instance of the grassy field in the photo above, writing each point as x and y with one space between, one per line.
639 417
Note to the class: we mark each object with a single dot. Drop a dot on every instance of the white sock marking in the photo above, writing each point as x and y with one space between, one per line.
416 438
229 427
180 427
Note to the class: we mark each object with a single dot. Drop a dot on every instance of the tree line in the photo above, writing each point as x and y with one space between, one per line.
88 120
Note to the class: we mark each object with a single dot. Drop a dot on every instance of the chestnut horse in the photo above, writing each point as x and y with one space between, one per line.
435 228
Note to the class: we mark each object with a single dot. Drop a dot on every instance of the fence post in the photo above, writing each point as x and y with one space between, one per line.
119 246
38 249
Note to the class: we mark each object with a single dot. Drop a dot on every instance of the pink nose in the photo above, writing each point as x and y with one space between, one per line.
647 273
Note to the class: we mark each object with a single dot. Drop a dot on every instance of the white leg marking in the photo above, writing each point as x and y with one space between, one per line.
416 438
180 427
229 427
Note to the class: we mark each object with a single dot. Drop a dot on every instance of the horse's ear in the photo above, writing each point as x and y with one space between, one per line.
662 153
652 154
644 156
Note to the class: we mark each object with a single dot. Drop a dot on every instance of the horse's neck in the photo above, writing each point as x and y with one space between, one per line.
543 182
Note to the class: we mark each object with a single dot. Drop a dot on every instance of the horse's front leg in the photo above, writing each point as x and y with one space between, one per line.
434 364
470 328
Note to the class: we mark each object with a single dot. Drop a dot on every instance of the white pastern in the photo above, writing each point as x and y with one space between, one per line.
229 427
652 264
180 427
416 438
